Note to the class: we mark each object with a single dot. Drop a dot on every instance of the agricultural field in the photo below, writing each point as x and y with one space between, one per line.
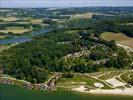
35 21
15 30
19 25
82 16
59 20
16 22
9 19
21 20
2 36
118 37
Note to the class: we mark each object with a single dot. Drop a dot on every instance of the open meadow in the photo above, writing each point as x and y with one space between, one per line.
15 30
118 37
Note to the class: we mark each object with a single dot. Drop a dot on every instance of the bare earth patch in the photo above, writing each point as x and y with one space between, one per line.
114 82
128 42
98 85
126 91
82 16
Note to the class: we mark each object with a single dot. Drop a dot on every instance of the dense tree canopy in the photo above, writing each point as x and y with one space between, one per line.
55 51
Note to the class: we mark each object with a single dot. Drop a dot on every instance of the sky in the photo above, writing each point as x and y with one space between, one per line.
62 3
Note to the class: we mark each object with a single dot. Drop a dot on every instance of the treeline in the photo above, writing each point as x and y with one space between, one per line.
34 26
49 21
103 23
112 26
116 18
4 26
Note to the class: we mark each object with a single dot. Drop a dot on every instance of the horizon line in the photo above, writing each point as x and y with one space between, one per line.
65 7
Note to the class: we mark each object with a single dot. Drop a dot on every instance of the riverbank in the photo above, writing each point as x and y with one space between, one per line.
21 39
12 92
84 83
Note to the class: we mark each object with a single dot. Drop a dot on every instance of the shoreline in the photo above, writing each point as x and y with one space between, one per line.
105 92
124 92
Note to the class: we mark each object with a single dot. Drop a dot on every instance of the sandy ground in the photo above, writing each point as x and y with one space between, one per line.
125 47
126 91
99 85
114 82
81 88
15 79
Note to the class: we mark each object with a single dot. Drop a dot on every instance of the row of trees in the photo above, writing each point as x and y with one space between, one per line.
102 23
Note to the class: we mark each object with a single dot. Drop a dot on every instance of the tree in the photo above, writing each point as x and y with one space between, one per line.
97 55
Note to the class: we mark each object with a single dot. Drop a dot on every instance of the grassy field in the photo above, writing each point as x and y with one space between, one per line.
59 20
82 16
118 37
17 22
80 80
8 19
89 80
126 76
109 75
15 30
21 20
72 31
35 21
2 36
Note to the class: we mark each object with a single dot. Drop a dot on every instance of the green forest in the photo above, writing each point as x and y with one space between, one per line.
34 60
55 51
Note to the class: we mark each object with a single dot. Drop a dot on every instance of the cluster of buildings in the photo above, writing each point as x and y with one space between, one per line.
78 54
49 85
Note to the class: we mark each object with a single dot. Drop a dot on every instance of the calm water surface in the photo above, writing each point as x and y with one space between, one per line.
10 92
21 39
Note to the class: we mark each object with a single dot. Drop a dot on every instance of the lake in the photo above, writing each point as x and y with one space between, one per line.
11 92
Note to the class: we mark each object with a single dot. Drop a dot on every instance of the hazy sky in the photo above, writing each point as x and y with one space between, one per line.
63 3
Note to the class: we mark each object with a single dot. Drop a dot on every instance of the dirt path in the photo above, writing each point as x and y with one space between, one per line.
128 49
100 80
